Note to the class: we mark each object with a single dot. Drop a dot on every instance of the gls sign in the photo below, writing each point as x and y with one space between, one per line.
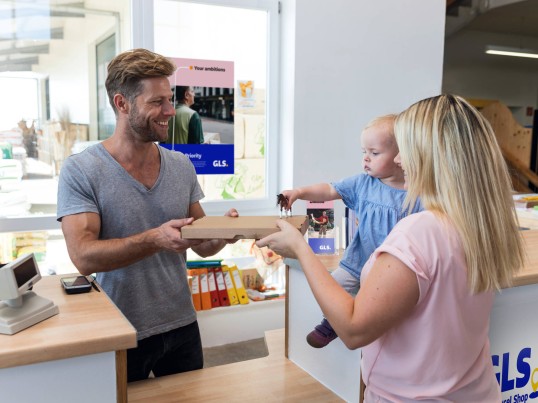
510 381
322 245
220 163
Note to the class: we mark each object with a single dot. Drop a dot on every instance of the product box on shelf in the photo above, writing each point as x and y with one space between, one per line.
321 230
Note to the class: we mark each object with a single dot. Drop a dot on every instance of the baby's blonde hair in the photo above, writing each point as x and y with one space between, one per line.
387 120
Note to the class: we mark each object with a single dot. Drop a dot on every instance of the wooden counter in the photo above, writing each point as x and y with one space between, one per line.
269 379
529 272
88 325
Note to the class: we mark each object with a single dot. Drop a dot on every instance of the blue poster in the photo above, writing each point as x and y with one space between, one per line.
208 158
322 246
203 125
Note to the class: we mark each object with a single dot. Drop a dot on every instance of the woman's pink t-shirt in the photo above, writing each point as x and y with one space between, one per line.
441 352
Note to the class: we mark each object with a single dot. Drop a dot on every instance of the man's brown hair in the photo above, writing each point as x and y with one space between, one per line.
128 69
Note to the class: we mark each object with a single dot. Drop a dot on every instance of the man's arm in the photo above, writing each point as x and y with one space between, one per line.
91 254
314 219
196 133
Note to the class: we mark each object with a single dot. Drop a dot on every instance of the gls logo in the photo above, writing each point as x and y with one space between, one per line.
220 163
324 247
524 369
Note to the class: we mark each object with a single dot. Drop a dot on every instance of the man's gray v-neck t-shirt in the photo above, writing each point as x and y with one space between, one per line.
152 293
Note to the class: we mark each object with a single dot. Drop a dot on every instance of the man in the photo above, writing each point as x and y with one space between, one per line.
122 204
323 221
187 126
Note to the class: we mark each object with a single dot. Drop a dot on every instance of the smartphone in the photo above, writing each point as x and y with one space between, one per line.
76 285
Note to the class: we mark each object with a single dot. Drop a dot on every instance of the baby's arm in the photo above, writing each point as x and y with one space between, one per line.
320 192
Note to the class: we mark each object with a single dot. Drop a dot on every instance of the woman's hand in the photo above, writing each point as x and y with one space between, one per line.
288 242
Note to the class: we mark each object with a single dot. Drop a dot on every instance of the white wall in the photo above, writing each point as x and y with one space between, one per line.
352 61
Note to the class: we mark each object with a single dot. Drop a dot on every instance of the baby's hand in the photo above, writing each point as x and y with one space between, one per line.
232 213
290 196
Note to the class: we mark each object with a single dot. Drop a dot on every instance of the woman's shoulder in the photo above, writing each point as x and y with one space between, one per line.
421 220
427 226
426 231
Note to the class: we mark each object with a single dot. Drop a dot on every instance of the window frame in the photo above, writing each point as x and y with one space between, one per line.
143 36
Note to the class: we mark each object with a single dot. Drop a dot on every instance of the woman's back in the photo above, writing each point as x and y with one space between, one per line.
443 345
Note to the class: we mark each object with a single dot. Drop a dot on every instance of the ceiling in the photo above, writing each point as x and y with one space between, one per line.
513 25
520 18
28 27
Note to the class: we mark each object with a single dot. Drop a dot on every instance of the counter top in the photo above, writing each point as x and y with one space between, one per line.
88 323
529 272
527 275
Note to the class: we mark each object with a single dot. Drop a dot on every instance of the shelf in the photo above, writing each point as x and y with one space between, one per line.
232 324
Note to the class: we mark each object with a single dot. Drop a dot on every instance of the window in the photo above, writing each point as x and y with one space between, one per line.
48 95
105 52
231 31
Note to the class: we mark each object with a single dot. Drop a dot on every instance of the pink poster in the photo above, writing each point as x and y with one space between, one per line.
203 73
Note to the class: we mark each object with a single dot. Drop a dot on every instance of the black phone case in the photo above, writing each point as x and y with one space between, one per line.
78 289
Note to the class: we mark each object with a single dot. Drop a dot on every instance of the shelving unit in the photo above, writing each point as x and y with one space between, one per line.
233 324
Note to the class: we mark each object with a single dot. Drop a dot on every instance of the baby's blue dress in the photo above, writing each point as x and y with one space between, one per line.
378 208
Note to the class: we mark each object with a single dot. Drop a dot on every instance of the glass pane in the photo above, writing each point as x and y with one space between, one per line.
210 32
106 50
48 247
48 98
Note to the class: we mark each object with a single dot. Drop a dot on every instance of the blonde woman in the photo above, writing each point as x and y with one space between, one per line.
422 313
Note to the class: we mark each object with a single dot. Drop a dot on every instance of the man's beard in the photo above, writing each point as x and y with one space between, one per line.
141 126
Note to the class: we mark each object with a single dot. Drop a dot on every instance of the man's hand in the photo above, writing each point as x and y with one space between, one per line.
169 236
231 213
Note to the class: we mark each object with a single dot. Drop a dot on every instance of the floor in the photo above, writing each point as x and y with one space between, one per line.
271 379
229 353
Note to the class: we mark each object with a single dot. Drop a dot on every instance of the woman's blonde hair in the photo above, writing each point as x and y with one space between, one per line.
453 162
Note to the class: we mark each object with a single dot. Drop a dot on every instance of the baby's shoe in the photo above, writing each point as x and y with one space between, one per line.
322 335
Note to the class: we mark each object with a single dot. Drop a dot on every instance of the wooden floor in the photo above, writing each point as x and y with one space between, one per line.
269 379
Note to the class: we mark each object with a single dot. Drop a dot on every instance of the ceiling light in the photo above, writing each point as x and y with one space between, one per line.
506 51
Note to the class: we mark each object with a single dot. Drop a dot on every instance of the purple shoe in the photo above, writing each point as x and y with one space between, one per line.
322 335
